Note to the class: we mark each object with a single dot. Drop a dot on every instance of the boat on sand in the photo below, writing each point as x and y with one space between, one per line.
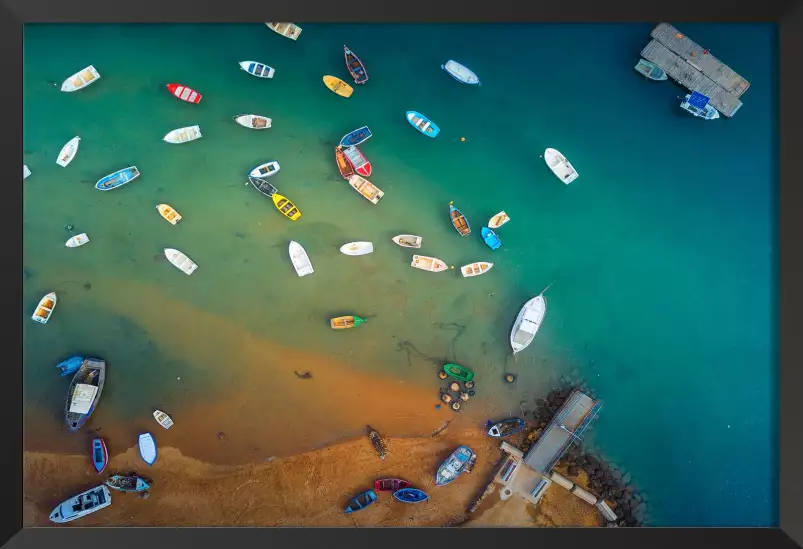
180 261
366 189
425 263
410 495
561 167
507 427
476 269
391 484
128 483
345 322
300 259
408 240
68 152
45 308
100 455
360 502
453 465
358 162
82 505
168 213
84 393
147 448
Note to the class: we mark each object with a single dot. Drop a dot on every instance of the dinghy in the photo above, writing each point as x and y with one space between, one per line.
345 322
68 152
697 104
100 455
287 208
253 121
338 86
163 419
561 167
259 70
358 162
147 448
366 189
300 259
650 70
288 30
70 366
357 248
343 163
410 495
391 484
180 261
84 393
426 263
460 373
408 240
476 269
128 483
168 213
45 308
355 67
77 240
459 221
263 186
490 238
81 79
453 465
82 505
461 73
423 124
25 172
527 323
356 137
117 179
184 135
265 170
498 220
184 93
360 502
507 428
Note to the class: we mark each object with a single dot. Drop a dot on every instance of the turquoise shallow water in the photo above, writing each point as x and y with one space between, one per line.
662 253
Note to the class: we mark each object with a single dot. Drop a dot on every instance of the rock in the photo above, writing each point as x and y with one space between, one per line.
640 509
622 523
221 435
631 521
626 478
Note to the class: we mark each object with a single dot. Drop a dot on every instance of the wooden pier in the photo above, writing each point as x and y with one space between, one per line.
695 68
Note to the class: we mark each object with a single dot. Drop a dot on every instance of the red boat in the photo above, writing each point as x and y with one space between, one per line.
358 161
184 93
343 164
355 66
391 484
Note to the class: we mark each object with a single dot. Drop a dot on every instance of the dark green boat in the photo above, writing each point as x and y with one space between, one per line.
458 372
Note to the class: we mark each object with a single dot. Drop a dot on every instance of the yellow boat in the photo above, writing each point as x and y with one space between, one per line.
338 86
287 208
345 322
171 215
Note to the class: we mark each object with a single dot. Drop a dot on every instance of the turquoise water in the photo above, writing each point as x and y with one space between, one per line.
662 253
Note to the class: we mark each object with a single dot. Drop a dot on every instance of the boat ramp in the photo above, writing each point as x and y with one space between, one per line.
695 68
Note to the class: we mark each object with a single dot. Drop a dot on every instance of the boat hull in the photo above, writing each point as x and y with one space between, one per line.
356 137
458 372
528 322
91 374
45 308
147 448
455 464
163 419
300 259
459 221
343 163
184 93
345 322
355 66
183 135
288 30
253 121
498 220
476 269
128 483
266 170
423 124
507 428
560 166
461 73
285 207
100 455
357 248
77 241
255 68
366 189
410 495
70 366
338 86
68 152
117 179
408 240
431 264
358 503
81 79
391 484
83 504
180 261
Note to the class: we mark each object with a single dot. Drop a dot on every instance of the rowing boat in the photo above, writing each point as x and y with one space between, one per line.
183 135
357 248
410 495
358 161
147 448
300 259
117 179
68 152
650 70
507 427
263 186
356 137
184 93
476 269
345 322
168 213
527 323
461 73
100 455
25 172
459 221
408 240
45 308
338 86
128 483
163 419
180 261
498 220
287 208
355 66
343 163
260 70
265 170
366 189
458 372
490 238
423 124
453 465
361 501
391 484
426 263
253 121
81 79
288 30
84 393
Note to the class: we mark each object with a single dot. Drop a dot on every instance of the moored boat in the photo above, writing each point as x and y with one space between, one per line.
265 170
82 505
697 104
70 366
423 124
68 152
336 85
507 427
425 263
355 66
410 495
528 322
263 186
81 79
288 30
650 70
343 163
476 269
117 179
357 248
168 213
100 455
459 221
356 137
346 322
180 261
183 135
45 308
128 483
147 448
184 93
26 172
453 465
461 73
300 259
253 121
358 162
260 70
460 373
498 220
84 393
360 502
77 240
408 240
163 419
490 238
285 207
561 167
391 484
366 189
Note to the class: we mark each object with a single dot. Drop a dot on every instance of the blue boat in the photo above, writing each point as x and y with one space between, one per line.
100 456
128 483
507 427
117 179
490 238
71 365
453 466
352 139
360 502
410 495
260 70
423 124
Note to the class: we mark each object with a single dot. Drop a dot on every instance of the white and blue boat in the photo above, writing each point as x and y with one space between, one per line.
82 505
697 104
410 495
423 124
265 170
360 502
461 73
117 179
260 70
71 365
357 137
490 238
147 448
128 483
453 466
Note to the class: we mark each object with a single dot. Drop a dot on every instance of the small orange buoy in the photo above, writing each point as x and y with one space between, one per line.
462 139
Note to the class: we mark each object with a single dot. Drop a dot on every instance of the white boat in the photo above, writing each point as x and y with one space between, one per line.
82 505
81 79
357 248
25 172
561 167
68 152
425 263
181 261
461 73
253 121
408 240
45 308
475 269
163 419
650 70
368 190
260 70
77 240
147 448
498 220
527 323
288 30
184 135
265 170
300 259
697 104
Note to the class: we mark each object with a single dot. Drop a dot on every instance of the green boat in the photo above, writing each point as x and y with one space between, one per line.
458 372
345 322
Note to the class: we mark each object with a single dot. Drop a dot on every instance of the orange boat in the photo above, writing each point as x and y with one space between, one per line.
171 215
343 164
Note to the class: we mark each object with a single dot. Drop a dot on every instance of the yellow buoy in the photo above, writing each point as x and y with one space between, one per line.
462 139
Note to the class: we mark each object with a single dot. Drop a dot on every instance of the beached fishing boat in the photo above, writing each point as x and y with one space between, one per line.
453 466
355 67
490 238
338 86
365 188
343 163
168 213
459 221
260 70
183 135
360 502
461 73
460 373
25 172
265 170
263 186
81 79
561 167
68 152
84 393
288 30
507 427
527 323
45 308
358 162
697 104
300 259
163 419
476 269
356 137
650 70
253 121
117 179
128 483
408 240
100 455
346 322
498 220
377 442
423 124
184 93
425 263
357 248
391 484
147 448
70 366
77 240
410 495
180 261
82 505
287 208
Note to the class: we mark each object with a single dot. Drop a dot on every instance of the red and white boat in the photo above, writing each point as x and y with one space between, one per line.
184 93
358 161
